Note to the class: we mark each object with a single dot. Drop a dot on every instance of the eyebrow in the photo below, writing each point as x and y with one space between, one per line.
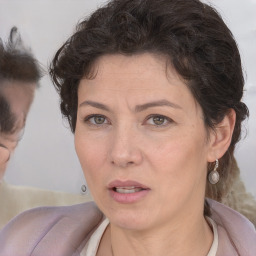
158 103
94 104
138 108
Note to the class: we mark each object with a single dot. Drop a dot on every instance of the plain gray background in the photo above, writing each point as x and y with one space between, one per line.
46 157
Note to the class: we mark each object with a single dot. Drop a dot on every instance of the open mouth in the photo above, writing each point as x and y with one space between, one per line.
128 190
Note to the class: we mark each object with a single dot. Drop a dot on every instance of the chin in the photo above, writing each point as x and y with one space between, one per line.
130 219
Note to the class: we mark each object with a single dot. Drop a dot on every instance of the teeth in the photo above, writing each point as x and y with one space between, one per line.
127 190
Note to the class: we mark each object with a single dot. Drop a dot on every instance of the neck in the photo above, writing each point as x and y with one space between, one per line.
194 239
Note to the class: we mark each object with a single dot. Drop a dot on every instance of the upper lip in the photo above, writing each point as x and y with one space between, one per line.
124 184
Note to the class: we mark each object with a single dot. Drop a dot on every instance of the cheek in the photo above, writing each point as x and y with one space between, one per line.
181 158
92 155
180 167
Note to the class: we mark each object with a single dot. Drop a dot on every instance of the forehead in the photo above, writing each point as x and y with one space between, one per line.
136 72
124 82
133 66
143 73
14 89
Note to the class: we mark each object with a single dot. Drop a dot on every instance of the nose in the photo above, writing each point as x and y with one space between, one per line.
125 148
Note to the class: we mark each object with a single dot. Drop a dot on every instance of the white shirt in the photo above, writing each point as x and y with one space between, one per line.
214 247
93 244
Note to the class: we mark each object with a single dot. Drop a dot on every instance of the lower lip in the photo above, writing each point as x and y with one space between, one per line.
128 198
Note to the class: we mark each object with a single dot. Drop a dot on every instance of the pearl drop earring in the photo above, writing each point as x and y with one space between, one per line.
214 176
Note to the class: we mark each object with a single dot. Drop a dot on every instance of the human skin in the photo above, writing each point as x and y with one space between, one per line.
19 96
4 156
126 131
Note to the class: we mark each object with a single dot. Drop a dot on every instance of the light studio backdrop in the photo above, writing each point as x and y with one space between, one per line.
45 157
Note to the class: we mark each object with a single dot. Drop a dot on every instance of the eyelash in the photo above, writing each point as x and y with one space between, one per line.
166 119
87 120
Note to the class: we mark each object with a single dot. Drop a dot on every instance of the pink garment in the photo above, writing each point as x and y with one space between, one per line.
63 231
237 235
50 231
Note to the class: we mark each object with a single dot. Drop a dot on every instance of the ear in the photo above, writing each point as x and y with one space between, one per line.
220 138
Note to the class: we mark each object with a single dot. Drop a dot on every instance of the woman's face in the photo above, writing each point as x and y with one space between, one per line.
142 143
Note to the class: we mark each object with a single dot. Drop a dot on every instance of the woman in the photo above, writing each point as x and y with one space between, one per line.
152 91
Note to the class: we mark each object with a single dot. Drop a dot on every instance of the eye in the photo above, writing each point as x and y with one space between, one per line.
158 120
96 119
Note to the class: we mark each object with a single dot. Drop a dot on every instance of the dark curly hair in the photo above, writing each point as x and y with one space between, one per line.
16 64
193 37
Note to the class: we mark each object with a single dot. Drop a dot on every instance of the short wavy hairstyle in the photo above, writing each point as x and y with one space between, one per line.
194 39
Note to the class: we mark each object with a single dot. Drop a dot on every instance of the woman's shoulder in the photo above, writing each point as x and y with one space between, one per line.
62 230
236 232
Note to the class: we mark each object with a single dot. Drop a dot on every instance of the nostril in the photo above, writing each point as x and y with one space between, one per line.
124 157
122 164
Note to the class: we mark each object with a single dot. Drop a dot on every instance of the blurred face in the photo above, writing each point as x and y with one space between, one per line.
142 143
19 97
4 157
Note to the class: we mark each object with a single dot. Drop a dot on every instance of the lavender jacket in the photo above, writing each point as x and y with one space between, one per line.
64 231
